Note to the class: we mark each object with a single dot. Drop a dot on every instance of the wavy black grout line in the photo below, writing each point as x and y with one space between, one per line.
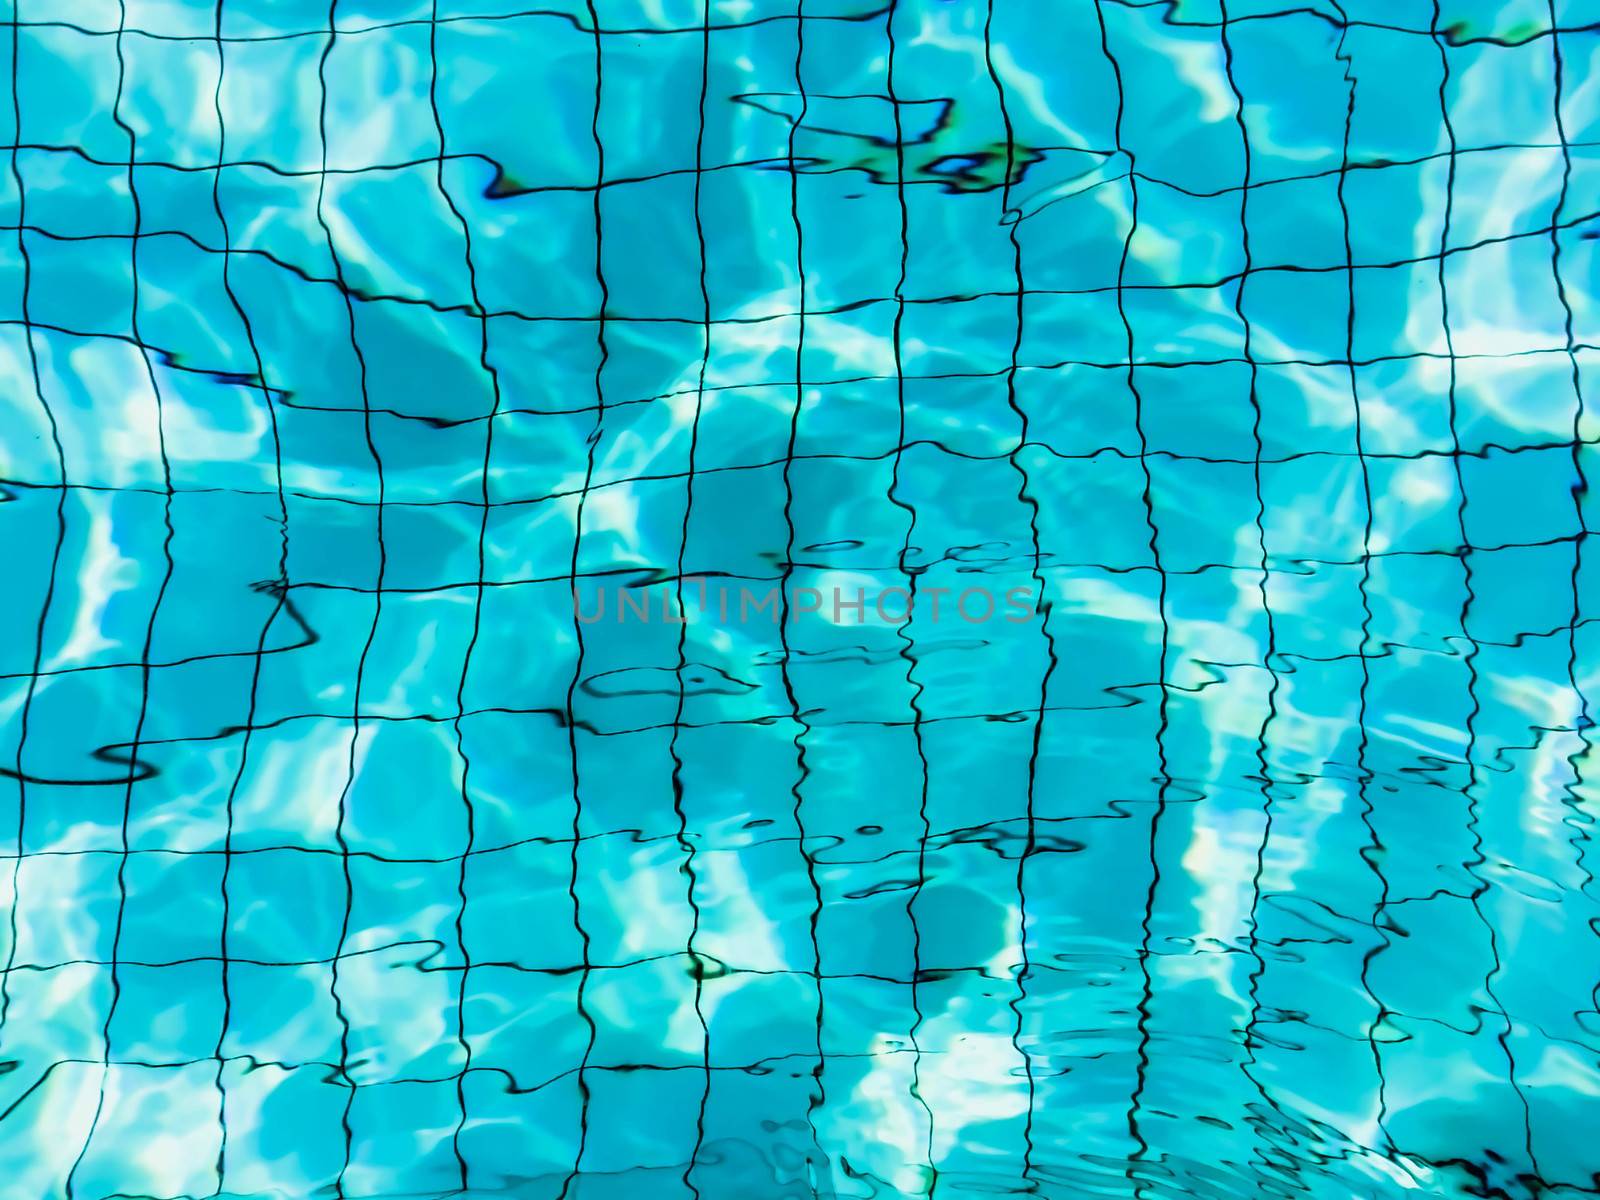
1257 970
571 719
902 631
1136 1166
69 1187
1031 844
817 1163
19 771
283 605
1580 819
344 1078
685 843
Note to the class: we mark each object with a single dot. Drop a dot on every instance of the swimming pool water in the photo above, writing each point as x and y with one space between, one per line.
799 598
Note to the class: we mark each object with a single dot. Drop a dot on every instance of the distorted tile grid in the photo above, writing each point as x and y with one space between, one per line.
352 353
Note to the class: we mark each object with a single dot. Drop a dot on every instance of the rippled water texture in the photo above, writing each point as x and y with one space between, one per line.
359 837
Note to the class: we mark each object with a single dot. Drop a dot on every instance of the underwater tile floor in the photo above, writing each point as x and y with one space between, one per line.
799 598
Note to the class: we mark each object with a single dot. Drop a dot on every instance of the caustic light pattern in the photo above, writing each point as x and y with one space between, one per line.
353 351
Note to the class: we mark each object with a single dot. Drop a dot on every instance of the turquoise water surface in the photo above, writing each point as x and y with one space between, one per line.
799 598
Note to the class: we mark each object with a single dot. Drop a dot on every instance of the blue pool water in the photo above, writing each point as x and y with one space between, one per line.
799 598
